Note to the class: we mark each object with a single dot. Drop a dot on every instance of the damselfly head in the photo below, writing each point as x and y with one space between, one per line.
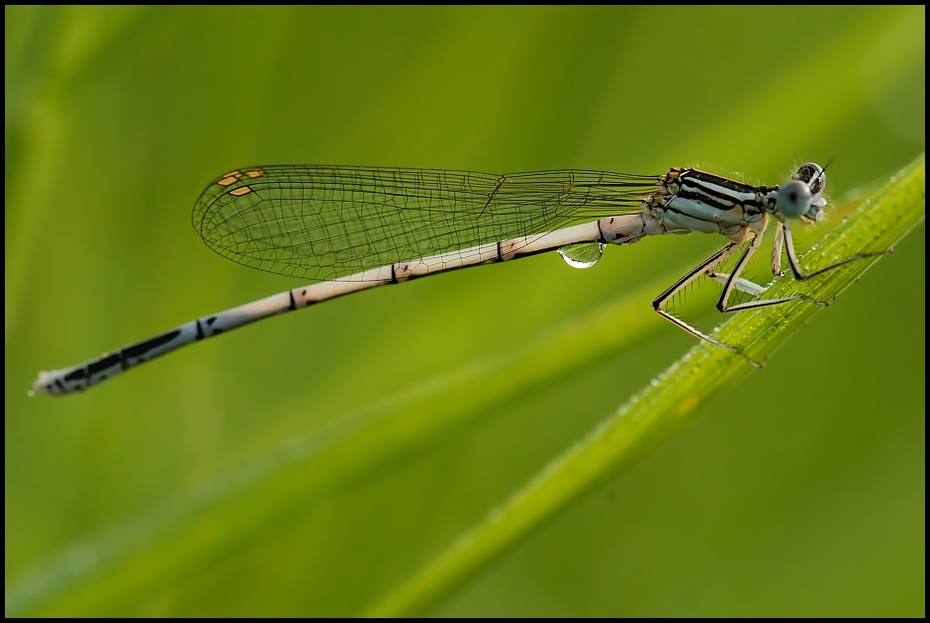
802 197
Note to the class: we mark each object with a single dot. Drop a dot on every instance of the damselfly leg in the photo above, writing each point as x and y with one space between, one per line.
732 281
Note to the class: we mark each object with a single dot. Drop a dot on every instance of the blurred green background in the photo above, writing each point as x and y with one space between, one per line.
309 464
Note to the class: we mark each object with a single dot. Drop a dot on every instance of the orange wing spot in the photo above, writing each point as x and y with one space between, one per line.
255 173
231 178
244 190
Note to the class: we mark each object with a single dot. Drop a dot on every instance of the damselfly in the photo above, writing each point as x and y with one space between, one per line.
354 228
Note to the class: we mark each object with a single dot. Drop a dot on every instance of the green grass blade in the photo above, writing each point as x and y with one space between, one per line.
662 408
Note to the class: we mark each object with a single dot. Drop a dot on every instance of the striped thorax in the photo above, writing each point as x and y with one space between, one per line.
694 201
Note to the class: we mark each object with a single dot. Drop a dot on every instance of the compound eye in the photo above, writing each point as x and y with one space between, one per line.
813 175
794 199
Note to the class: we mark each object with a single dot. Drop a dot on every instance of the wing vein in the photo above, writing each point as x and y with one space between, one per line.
325 222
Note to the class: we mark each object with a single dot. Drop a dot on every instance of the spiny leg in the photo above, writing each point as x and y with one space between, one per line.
783 235
796 269
743 285
733 283
776 249
705 267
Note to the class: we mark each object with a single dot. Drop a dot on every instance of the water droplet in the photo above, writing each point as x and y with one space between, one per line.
584 255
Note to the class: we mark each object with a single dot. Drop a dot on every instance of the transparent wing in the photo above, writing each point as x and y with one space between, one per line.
324 222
